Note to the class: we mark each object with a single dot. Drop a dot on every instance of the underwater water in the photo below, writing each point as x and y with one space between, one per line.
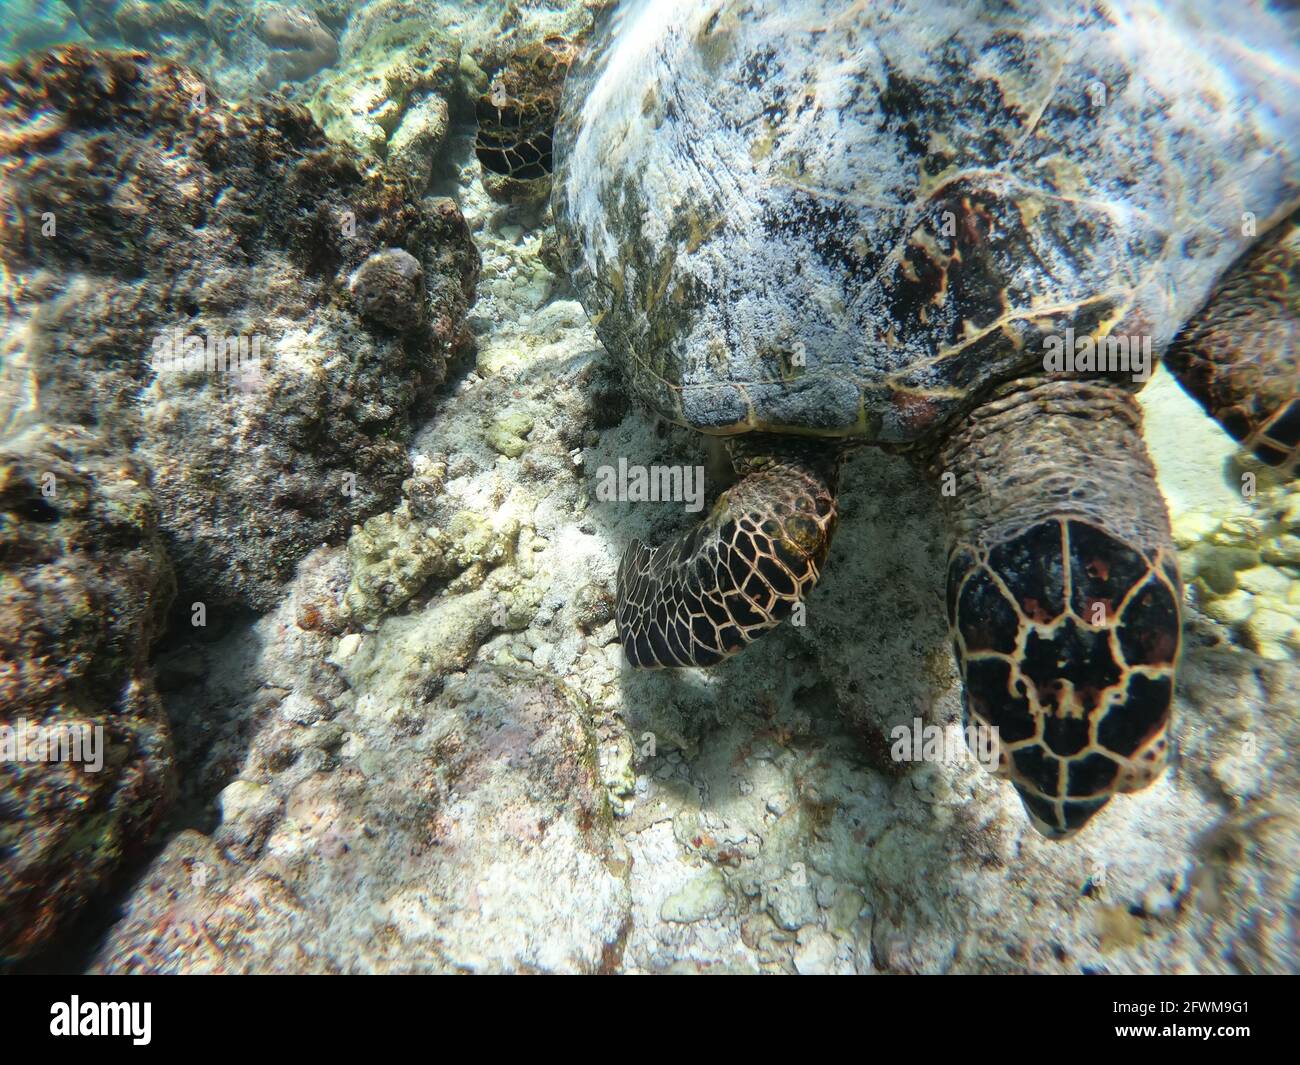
371 376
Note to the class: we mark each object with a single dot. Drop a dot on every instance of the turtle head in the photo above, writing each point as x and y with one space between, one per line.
1063 598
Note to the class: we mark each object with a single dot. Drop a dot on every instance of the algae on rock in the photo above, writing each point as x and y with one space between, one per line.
388 97
84 593
396 554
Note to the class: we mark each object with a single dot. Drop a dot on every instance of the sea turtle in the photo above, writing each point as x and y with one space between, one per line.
516 120
963 231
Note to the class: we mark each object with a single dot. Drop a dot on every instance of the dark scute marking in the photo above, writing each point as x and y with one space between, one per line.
716 611
679 641
789 554
527 152
1077 814
743 613
1269 455
703 632
732 638
1102 569
746 548
1149 628
739 567
826 226
757 590
686 547
1128 725
493 159
782 609
1286 428
532 171
707 656
776 576
1039 768
1081 656
988 687
1066 736
659 648
1041 808
1091 775
1032 568
705 574
958 565
987 621
987 236
1235 422
638 650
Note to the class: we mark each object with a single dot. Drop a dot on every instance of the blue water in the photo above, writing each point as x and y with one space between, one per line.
28 25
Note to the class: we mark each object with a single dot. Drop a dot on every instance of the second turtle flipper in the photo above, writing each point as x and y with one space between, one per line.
715 589
1239 356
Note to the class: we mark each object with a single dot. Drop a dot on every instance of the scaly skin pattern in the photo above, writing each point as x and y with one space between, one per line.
1063 594
1240 354
516 116
714 590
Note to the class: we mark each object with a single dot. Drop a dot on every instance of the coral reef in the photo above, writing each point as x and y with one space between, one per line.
85 755
427 753
366 837
388 96
149 23
393 556
194 285
301 45
183 360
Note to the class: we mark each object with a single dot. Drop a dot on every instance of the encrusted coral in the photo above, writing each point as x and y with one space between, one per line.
1245 571
83 593
389 289
395 555
145 220
300 45
185 374
476 837
388 95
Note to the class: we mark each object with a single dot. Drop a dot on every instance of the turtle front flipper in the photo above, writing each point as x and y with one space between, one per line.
1239 356
1063 594
516 121
714 590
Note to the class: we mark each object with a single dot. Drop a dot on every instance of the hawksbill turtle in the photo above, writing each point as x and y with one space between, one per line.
803 225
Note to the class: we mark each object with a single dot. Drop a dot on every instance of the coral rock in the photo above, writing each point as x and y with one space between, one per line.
85 755
301 46
389 289
179 273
